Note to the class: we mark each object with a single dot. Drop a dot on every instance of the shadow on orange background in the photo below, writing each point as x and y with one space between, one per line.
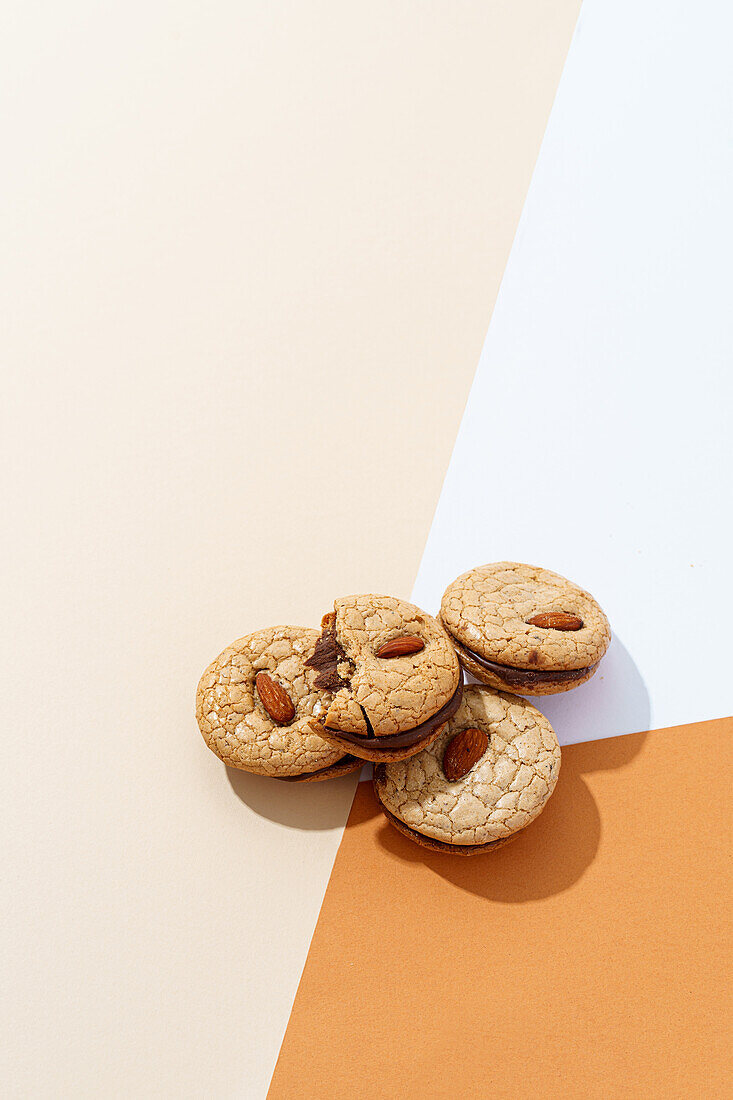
547 857
585 959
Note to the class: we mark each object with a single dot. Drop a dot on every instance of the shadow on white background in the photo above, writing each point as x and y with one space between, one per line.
615 701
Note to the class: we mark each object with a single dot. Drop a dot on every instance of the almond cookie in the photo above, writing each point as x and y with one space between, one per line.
393 675
488 775
258 708
524 629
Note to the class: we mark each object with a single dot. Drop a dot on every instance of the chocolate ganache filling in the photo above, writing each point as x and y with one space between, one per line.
408 737
343 766
326 658
525 677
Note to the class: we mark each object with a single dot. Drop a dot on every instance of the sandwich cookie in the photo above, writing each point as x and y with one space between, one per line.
258 708
524 629
393 676
488 775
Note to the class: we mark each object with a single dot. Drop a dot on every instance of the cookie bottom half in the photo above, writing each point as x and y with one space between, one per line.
439 845
344 766
521 681
400 746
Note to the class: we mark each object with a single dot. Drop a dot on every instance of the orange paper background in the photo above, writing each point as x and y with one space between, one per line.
586 959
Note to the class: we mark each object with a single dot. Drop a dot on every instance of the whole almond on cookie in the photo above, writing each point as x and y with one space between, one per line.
262 674
519 627
503 791
556 620
393 675
401 647
275 699
463 751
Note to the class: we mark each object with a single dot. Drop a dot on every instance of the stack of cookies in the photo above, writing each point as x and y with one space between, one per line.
457 769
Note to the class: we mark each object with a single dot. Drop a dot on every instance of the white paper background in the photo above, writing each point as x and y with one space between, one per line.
596 439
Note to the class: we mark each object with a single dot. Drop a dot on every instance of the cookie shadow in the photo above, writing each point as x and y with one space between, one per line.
552 853
311 806
615 702
544 859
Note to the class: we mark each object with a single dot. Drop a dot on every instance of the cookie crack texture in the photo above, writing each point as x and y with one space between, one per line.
370 728
505 790
238 727
408 737
386 697
504 613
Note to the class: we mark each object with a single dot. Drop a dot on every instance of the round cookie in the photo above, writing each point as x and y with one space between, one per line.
258 708
524 629
393 675
503 760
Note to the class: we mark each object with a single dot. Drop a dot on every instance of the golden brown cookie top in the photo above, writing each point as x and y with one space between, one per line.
257 704
505 787
490 609
396 667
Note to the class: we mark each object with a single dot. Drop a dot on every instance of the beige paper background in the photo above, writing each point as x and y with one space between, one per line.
249 256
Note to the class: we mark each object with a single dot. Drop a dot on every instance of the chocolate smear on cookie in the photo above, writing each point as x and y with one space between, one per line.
327 655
